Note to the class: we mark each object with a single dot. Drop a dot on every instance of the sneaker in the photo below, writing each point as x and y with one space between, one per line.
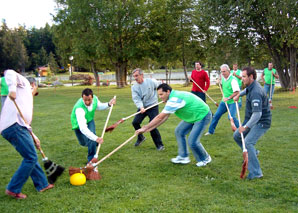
256 177
204 162
257 152
15 195
138 142
208 133
160 148
50 186
181 160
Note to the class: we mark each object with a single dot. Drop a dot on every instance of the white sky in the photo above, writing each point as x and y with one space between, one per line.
27 12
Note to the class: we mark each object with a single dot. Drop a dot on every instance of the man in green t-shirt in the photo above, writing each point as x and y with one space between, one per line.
238 75
82 120
195 115
268 76
230 89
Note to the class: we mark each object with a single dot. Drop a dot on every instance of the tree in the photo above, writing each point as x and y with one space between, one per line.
53 64
261 23
115 28
13 53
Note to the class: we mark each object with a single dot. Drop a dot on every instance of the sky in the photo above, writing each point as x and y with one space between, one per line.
31 13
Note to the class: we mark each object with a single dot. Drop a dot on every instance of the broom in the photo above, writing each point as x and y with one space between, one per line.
244 152
94 175
231 118
204 92
112 127
53 170
90 167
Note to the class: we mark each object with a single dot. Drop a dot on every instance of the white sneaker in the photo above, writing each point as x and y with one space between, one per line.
181 160
208 133
204 162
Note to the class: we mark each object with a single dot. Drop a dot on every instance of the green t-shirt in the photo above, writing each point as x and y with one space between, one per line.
194 109
4 87
268 75
89 115
238 72
227 88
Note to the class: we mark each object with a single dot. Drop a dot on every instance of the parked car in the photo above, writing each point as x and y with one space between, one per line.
214 74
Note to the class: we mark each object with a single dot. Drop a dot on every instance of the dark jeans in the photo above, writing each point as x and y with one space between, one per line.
200 95
20 138
151 113
84 141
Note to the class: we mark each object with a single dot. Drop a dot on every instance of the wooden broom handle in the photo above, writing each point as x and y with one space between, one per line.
203 91
42 153
115 150
104 128
140 111
242 137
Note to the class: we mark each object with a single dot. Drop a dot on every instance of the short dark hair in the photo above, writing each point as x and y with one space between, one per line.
165 87
198 62
250 71
87 92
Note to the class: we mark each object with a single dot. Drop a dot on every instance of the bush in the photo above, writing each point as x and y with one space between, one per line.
87 79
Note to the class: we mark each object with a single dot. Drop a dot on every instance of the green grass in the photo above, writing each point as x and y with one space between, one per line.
144 180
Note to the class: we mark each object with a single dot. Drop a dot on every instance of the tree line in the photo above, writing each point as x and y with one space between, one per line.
123 34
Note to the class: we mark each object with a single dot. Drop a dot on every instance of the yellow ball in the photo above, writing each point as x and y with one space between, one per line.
78 179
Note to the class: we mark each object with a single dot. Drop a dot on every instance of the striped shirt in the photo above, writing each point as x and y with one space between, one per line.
173 104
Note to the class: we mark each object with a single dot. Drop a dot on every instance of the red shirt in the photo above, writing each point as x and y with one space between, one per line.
202 79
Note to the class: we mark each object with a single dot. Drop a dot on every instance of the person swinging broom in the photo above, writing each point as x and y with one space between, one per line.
82 120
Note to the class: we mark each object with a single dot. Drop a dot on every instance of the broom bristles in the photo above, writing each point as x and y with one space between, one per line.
93 175
244 165
53 171
113 126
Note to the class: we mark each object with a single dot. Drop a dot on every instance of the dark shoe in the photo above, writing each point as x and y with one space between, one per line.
50 186
15 195
160 148
140 141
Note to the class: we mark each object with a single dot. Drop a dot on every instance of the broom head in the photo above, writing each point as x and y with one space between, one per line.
93 174
244 165
113 126
53 171
73 170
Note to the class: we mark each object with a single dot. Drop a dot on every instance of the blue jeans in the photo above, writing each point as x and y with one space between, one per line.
200 95
219 112
19 137
195 131
267 90
251 136
84 141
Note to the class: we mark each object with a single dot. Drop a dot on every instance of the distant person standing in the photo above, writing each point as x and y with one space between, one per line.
237 73
200 76
257 120
268 77
4 90
144 95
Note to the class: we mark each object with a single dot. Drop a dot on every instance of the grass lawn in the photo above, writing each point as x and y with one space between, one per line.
141 179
